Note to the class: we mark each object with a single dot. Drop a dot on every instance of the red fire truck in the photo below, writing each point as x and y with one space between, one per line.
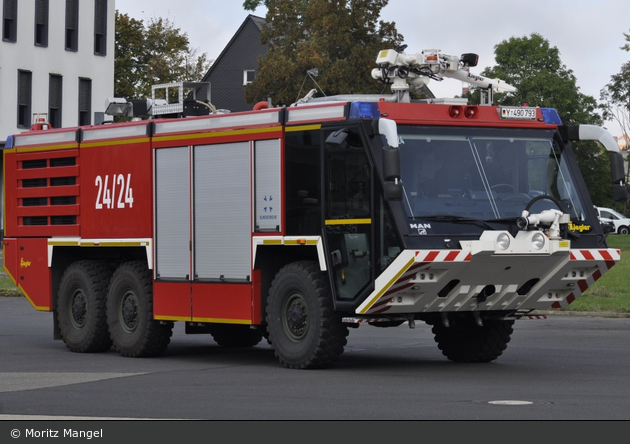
296 223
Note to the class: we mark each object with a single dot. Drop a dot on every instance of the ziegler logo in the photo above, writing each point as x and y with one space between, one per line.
24 264
422 228
579 228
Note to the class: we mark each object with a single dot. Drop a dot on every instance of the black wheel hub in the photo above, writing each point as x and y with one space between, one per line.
129 312
295 317
78 309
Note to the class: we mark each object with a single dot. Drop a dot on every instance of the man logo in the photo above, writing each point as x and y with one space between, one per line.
422 228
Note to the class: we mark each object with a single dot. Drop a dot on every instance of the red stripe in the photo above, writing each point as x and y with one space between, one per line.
570 298
451 256
383 310
556 305
397 289
379 303
597 274
587 255
610 264
583 285
468 257
431 256
606 255
572 256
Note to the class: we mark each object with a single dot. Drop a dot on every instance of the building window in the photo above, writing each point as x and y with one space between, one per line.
72 25
9 20
248 76
54 100
100 27
41 22
85 101
25 80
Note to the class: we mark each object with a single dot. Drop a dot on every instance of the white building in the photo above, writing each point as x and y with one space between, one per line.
56 58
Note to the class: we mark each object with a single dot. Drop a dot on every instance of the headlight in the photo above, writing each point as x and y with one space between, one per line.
538 241
503 241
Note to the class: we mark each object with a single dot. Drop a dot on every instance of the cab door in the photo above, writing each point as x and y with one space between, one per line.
348 212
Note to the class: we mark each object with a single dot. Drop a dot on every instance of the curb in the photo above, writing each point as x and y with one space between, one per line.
592 314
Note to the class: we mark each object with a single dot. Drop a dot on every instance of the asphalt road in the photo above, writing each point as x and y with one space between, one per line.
559 368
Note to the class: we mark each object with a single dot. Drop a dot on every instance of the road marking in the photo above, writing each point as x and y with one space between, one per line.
18 381
510 402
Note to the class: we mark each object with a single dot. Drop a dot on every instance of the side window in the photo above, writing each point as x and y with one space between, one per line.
85 101
72 25
303 182
41 23
348 178
25 80
100 27
54 100
9 20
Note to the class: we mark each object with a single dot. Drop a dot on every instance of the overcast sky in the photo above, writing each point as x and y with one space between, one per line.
588 33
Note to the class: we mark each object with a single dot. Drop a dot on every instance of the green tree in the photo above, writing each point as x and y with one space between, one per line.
128 55
534 67
330 45
615 98
150 54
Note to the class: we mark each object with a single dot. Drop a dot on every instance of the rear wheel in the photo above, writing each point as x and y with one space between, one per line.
465 341
304 331
81 311
623 230
233 336
133 330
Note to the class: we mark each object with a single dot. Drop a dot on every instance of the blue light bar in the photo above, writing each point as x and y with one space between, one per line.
551 116
9 143
364 110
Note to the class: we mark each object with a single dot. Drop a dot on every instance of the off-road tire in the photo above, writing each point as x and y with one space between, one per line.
81 307
304 331
235 336
465 341
133 330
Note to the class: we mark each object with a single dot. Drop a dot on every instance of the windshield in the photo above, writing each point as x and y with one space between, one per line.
483 173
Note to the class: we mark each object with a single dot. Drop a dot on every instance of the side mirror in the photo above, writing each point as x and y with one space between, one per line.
391 174
617 175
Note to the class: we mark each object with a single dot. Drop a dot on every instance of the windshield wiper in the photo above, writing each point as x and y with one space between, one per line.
456 219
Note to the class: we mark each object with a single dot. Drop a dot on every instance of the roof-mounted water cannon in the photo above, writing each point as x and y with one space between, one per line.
404 70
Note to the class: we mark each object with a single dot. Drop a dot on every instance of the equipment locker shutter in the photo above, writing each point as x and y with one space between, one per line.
222 211
172 189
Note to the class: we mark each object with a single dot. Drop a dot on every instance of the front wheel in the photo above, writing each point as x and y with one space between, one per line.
133 330
465 341
623 230
304 331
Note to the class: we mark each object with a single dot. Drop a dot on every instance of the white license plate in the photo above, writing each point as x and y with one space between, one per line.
518 113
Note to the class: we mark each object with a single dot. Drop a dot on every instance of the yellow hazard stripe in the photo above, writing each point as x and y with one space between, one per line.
349 222
172 318
20 150
36 307
297 242
224 321
217 134
378 295
114 142
290 129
